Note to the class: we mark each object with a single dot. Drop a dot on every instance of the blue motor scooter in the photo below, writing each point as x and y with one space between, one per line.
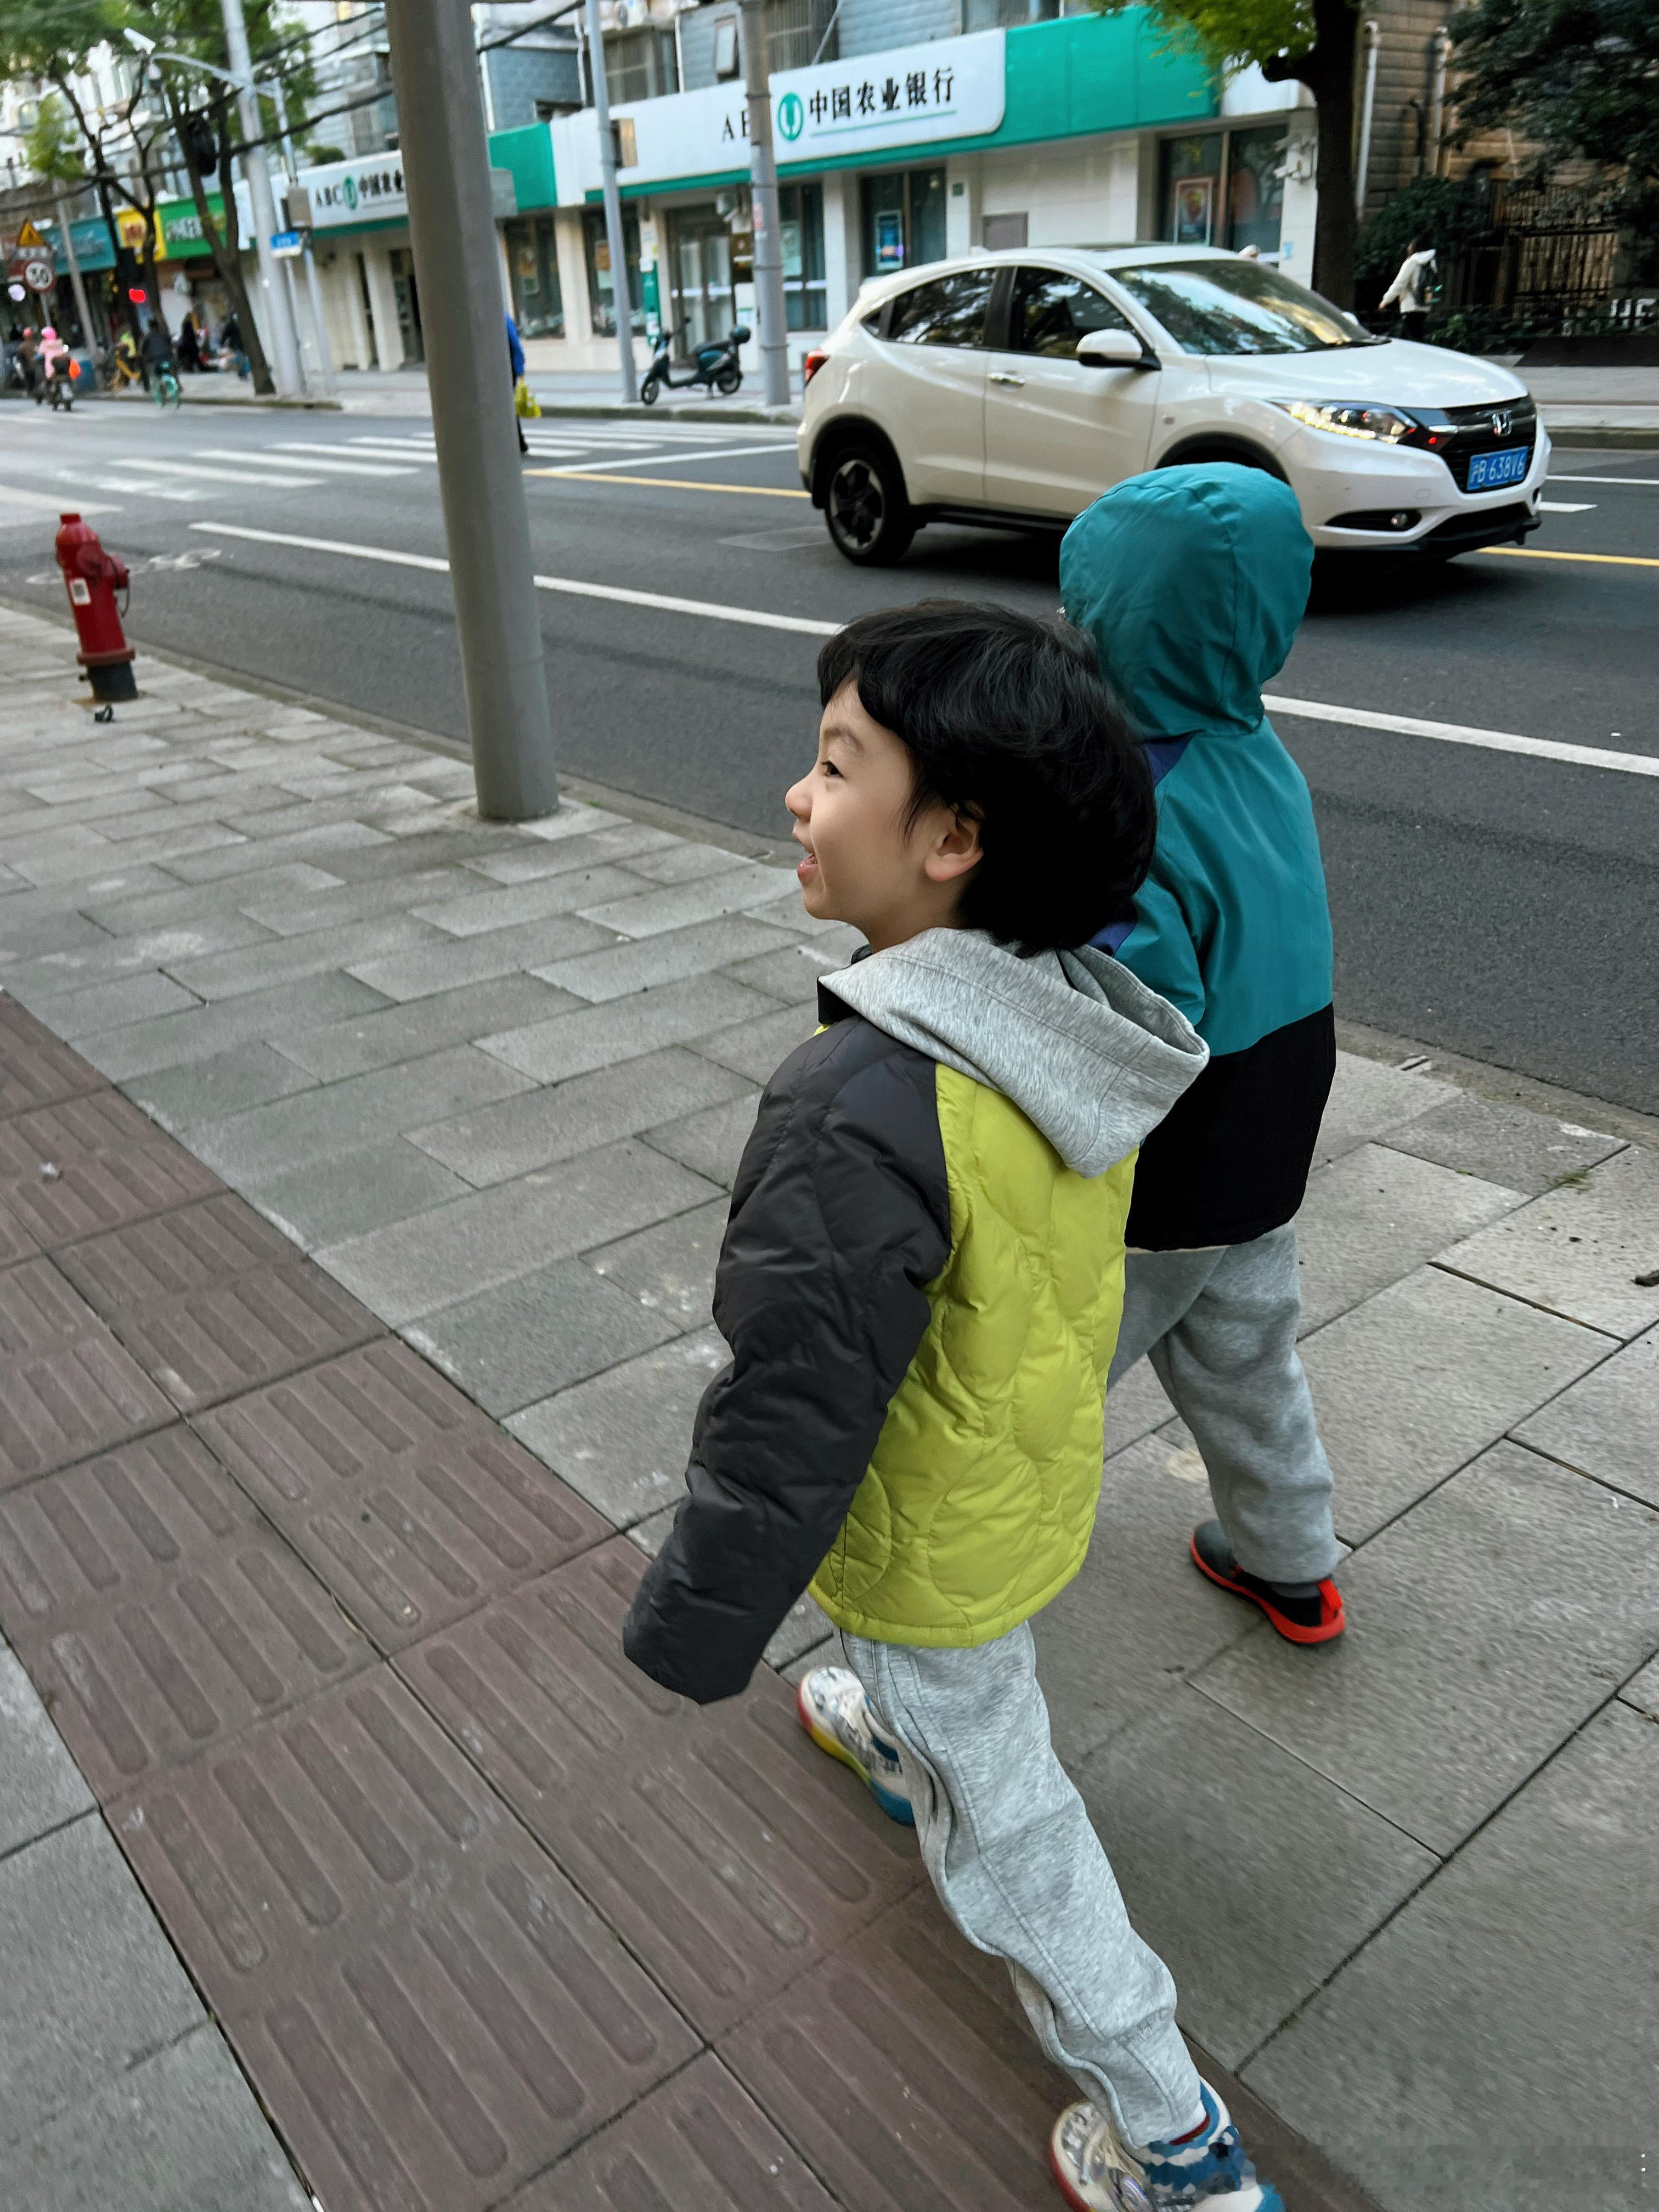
714 366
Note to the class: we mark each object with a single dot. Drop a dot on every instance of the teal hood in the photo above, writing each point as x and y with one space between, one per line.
1191 583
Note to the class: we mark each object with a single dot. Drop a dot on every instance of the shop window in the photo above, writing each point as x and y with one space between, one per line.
641 64
601 291
1256 188
993 14
800 225
1190 188
1224 188
532 255
903 219
800 32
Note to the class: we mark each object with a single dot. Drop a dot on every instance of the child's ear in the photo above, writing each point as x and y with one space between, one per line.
956 850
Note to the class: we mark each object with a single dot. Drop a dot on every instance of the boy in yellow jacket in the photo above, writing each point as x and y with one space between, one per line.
920 1284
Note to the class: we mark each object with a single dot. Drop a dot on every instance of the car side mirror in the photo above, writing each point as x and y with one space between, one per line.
1115 350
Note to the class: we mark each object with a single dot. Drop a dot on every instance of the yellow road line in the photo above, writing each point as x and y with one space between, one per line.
672 483
1537 553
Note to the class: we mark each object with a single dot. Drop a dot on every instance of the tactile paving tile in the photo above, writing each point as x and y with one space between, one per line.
67 1388
431 2012
904 2076
700 2141
15 1243
157 1611
36 1069
93 1185
212 1301
411 1505
77 1129
728 1851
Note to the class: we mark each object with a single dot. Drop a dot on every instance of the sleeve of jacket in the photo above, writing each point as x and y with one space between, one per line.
839 1220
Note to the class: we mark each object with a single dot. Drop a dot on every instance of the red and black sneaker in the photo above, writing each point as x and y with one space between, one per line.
1305 1612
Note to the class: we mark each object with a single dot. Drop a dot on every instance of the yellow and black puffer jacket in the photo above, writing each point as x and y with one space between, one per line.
921 1284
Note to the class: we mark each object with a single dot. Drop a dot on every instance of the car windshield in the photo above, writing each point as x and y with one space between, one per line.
1239 307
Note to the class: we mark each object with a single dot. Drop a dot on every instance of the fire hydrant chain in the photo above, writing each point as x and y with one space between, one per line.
92 577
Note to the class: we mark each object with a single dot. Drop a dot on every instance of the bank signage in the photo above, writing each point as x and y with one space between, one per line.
370 190
875 104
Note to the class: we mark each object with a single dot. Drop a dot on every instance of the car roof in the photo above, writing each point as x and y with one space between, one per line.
1129 255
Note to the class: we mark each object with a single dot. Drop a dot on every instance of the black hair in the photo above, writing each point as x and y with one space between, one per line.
1007 719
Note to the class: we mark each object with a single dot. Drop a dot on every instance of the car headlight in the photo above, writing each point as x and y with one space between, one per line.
1353 419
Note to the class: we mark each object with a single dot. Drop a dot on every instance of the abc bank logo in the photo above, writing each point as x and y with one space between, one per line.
792 115
348 190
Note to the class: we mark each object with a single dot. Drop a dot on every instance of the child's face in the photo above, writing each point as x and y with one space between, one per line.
863 866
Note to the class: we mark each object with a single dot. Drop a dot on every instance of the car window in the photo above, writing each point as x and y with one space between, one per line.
1239 307
948 312
1052 311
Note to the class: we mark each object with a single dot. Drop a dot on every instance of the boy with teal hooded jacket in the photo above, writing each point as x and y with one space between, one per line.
1191 583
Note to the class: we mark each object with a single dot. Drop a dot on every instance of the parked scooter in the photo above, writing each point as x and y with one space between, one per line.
714 366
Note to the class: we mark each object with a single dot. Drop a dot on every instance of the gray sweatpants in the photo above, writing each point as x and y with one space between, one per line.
1219 1327
1019 1869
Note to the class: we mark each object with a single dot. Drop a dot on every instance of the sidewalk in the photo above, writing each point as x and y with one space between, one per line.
323 1402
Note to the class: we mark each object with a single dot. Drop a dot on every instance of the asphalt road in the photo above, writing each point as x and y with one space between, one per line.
1498 906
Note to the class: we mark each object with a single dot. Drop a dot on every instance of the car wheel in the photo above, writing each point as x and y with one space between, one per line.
648 391
728 381
864 504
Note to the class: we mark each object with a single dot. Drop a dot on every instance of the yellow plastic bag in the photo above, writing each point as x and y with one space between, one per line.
524 402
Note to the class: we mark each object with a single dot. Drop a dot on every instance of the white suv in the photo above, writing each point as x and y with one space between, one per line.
1011 389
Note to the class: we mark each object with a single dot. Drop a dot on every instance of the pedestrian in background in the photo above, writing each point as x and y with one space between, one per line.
515 367
1410 288
1191 583
189 345
920 1285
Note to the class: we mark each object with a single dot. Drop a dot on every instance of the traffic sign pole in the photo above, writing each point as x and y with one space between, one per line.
621 295
769 310
284 355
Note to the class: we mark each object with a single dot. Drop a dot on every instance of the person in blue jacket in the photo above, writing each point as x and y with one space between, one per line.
515 364
1191 581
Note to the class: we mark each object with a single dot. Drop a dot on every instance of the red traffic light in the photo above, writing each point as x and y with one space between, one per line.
137 298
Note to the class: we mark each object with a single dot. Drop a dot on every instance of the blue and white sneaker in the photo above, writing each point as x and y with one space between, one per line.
836 1713
1098 2172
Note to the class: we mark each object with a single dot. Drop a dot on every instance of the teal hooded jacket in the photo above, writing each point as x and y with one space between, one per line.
1191 583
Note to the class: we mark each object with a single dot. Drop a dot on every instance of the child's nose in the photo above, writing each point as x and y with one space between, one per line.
798 799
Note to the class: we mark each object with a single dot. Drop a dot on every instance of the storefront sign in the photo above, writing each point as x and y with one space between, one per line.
90 236
182 238
357 192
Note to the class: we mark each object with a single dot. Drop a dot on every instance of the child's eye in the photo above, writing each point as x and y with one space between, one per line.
830 768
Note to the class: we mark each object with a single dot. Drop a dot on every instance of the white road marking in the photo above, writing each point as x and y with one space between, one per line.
214 476
649 460
364 468
132 483
1311 710
18 507
1567 507
1651 483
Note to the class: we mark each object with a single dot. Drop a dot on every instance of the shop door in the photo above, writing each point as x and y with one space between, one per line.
702 279
408 304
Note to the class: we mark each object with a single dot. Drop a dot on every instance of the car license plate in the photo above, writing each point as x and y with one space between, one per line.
1488 471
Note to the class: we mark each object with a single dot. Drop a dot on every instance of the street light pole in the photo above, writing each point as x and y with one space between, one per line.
446 163
622 297
284 353
78 282
324 361
769 310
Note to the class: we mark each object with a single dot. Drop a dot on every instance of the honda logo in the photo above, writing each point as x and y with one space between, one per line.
1500 423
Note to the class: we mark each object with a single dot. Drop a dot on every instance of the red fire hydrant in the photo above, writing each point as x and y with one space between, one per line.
92 577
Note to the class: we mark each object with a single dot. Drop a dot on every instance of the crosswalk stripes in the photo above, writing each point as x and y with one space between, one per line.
330 466
213 475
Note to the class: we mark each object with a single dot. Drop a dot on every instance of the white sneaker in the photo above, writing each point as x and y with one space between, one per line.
1098 2172
836 1713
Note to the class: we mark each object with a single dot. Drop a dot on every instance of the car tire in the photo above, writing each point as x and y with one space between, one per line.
648 391
728 381
871 521
1241 456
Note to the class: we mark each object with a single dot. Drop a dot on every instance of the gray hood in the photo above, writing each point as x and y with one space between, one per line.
1083 1050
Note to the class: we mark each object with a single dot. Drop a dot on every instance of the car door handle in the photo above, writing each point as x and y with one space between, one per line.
1001 376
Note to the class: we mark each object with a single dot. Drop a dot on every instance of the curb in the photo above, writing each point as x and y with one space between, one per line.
1607 438
785 416
200 399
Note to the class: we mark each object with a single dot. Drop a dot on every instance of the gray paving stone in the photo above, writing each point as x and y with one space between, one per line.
636 964
1140 1618
561 1119
101 958
1484 1628
173 906
1369 1098
1417 1380
669 1267
291 914
533 857
511 1346
282 959
1486 2051
598 1037
26 937
1608 1426
684 861
710 1142
482 910
175 1040
341 1117
758 1046
1642 1691
180 2131
327 1201
90 1985
225 1083
677 906
1191 1803
312 846
136 997
40 1785
1502 1143
1578 1250
804 1627
421 1025
1374 1216
791 975
465 846
412 1267
451 963
622 1439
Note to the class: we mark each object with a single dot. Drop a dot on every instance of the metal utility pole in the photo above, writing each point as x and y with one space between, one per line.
324 361
445 161
769 312
78 282
622 297
284 352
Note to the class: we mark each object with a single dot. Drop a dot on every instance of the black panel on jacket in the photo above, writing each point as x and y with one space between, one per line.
840 1218
1230 1161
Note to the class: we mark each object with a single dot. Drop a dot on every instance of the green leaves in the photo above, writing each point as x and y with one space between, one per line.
1579 77
1232 34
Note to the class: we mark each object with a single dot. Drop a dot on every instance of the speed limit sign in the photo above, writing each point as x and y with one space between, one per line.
39 274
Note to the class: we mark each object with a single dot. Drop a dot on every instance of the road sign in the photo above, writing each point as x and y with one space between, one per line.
27 237
286 244
40 273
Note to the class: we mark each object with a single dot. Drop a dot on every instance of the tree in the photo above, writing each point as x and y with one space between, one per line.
1313 43
1579 78
52 148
